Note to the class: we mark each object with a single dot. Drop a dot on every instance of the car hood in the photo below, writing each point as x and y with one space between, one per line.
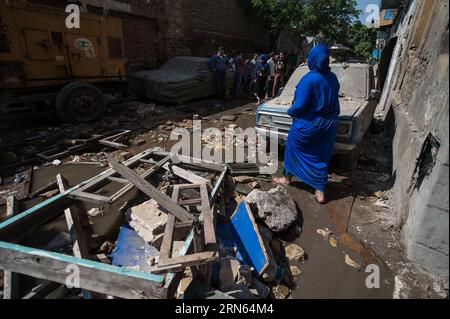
349 106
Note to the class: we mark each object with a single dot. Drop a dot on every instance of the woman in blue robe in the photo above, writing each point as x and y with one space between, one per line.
315 111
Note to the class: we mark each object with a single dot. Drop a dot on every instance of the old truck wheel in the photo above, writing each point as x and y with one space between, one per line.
80 102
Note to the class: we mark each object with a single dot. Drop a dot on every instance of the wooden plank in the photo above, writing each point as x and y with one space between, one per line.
144 176
218 186
101 179
41 291
12 206
188 260
119 146
11 280
18 226
147 188
48 187
208 218
186 175
94 276
91 198
190 202
194 162
118 180
166 246
74 222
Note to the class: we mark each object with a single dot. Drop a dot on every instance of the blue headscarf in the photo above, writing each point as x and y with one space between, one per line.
319 59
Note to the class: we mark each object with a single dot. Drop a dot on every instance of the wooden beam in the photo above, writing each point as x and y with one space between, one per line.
94 276
48 187
74 220
218 186
148 189
11 280
166 246
186 175
208 217
41 291
177 263
119 146
190 202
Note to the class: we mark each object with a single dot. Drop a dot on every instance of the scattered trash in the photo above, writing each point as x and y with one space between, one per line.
95 212
281 292
333 242
295 271
325 233
295 253
349 261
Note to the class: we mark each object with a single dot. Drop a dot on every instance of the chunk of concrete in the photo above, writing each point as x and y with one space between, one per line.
147 220
275 207
294 253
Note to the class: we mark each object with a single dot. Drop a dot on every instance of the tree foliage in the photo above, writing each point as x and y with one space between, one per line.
309 17
361 39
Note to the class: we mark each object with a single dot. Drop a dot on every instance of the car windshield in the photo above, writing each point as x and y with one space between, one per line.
353 80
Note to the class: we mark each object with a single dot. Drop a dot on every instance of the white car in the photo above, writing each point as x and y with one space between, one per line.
358 101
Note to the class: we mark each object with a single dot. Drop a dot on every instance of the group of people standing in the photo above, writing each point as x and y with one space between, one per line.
262 76
315 110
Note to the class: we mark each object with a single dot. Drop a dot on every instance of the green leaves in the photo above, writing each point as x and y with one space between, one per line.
361 39
308 17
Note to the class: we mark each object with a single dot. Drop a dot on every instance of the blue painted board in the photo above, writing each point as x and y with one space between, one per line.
249 239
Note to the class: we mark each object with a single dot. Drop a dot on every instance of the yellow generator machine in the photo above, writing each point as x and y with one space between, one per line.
43 63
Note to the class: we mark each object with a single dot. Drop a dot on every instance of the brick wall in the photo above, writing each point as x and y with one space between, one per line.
142 20
200 27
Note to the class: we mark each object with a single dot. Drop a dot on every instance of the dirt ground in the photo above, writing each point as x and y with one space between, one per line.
359 213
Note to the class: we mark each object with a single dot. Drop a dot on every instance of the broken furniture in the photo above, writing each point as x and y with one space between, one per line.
61 146
102 278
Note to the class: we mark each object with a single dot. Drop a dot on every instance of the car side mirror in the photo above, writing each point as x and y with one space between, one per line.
375 94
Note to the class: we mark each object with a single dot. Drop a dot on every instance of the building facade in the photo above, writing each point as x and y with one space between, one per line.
416 103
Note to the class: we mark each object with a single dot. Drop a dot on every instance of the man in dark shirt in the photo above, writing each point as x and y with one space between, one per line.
219 64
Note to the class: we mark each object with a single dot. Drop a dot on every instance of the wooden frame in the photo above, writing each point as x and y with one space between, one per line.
95 277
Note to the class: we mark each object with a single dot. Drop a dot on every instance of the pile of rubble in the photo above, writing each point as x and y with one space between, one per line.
200 227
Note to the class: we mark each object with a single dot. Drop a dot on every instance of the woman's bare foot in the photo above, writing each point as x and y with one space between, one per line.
284 181
320 197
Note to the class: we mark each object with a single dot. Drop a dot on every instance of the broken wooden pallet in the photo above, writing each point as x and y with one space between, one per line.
169 262
148 189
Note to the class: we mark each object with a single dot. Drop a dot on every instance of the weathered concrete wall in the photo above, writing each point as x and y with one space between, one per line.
199 27
417 89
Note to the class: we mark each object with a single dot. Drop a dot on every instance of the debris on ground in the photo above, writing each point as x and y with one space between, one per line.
177 208
325 233
295 253
349 261
275 207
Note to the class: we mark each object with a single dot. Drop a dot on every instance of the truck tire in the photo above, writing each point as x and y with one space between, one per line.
80 102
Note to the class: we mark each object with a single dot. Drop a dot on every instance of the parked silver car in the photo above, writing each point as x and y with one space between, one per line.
358 100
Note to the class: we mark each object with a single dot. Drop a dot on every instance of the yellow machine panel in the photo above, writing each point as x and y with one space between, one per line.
37 49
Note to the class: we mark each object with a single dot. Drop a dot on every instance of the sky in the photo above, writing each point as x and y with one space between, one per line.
362 4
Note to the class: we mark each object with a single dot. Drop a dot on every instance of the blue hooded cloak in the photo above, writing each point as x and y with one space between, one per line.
315 111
